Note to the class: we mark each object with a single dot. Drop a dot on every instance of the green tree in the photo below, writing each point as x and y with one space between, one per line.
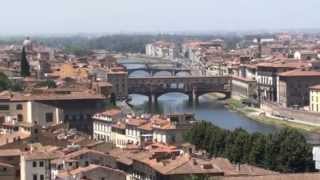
4 82
237 144
283 151
200 177
16 86
257 152
113 99
25 67
48 83
294 153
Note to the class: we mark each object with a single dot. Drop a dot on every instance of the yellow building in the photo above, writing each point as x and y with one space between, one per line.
315 98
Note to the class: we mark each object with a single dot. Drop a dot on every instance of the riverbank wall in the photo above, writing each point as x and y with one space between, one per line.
291 114
265 116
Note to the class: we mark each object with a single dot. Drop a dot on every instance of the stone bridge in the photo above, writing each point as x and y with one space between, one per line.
154 87
153 70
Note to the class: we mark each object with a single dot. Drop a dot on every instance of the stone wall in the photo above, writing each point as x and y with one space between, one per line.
274 109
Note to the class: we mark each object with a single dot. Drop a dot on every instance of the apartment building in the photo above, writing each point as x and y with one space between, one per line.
294 87
35 165
80 158
102 124
119 81
314 98
93 172
267 73
52 107
27 111
162 49
138 130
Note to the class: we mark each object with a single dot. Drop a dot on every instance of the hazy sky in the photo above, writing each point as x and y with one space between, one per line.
119 16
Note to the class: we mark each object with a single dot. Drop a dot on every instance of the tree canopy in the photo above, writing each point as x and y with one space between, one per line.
285 150
4 82
24 64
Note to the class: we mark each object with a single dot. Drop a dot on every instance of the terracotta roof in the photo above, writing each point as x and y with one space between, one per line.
47 97
146 127
300 73
285 64
316 87
119 125
41 155
10 152
111 112
89 168
135 121
82 152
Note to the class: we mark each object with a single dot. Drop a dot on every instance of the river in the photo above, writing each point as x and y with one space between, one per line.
208 108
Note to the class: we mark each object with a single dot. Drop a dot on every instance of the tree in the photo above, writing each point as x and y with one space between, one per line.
201 177
4 82
48 83
16 86
51 84
113 99
285 151
25 67
294 152
257 152
237 144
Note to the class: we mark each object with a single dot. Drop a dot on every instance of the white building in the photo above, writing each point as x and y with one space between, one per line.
31 112
36 165
316 157
102 124
162 49
139 130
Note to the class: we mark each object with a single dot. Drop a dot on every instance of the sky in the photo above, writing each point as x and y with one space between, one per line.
155 16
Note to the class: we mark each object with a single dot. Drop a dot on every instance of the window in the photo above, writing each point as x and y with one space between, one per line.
41 177
19 107
49 117
20 117
41 163
35 177
34 164
4 107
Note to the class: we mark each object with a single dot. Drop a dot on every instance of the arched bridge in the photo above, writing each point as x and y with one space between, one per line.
153 70
153 87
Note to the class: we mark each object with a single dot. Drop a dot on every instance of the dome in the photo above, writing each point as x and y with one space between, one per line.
27 42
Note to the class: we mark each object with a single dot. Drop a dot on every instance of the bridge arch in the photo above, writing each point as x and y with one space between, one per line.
132 73
161 72
226 94
183 73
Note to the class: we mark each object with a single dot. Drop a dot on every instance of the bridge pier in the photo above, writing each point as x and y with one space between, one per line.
193 97
153 99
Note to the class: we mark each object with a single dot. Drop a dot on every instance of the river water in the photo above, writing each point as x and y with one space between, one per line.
208 109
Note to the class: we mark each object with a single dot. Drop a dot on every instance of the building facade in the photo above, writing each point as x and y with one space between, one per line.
294 87
315 98
119 81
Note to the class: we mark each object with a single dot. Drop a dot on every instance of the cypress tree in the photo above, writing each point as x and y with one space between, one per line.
25 67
